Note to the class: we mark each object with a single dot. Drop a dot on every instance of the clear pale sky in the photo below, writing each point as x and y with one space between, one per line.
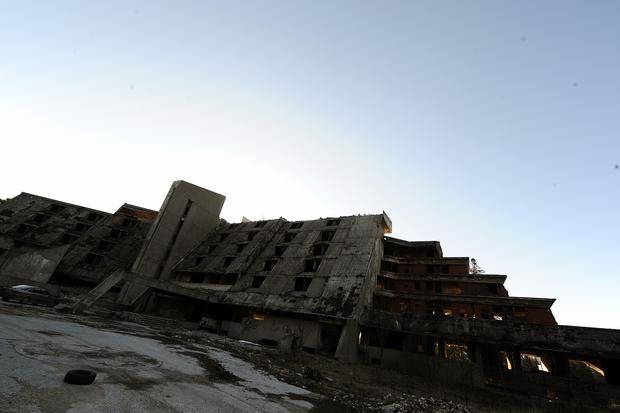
493 127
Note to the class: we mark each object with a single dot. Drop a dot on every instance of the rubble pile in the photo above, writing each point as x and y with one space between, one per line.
404 403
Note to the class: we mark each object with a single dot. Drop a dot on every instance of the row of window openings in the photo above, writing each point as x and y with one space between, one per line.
433 286
80 227
288 236
294 225
317 249
496 313
430 269
301 283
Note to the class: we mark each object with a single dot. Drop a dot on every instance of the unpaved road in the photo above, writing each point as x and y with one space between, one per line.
134 373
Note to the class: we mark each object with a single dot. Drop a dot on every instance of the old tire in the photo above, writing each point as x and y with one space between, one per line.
80 377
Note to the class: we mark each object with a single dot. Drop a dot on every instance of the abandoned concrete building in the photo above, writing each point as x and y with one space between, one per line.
337 286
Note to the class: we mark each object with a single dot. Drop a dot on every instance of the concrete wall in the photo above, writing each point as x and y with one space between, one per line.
187 215
37 265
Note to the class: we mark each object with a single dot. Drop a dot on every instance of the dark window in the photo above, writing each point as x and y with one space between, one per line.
198 261
7 213
106 245
430 269
492 288
445 269
260 224
333 222
24 228
197 278
416 285
241 247
296 225
117 233
93 258
269 264
223 236
257 281
327 235
319 249
39 218
228 261
68 238
56 208
251 235
302 283
93 217
280 250
2 251
81 227
211 248
129 222
312 265
289 236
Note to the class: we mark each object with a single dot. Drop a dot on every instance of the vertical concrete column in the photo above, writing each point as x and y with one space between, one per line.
347 349
187 215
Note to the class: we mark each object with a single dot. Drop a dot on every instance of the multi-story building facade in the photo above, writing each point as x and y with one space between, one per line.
338 286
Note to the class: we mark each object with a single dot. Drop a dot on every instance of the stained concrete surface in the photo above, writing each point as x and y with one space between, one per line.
135 373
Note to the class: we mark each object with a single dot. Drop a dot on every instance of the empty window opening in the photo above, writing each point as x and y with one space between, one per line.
129 222
117 233
519 312
445 269
91 258
280 250
327 236
452 288
454 351
223 236
447 311
81 227
268 342
251 235
302 283
211 248
289 236
389 266
258 281
416 285
312 265
7 213
40 218
93 216
25 228
498 312
333 222
534 363
228 261
219 278
320 249
269 264
188 206
258 315
197 278
56 208
506 362
296 225
587 370
105 245
492 289
241 247
68 238
260 224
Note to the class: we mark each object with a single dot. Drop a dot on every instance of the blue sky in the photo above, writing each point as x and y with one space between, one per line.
493 127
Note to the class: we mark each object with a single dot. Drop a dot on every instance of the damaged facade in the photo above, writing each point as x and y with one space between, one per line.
336 286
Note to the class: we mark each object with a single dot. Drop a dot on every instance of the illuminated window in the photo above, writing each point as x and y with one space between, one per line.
534 363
